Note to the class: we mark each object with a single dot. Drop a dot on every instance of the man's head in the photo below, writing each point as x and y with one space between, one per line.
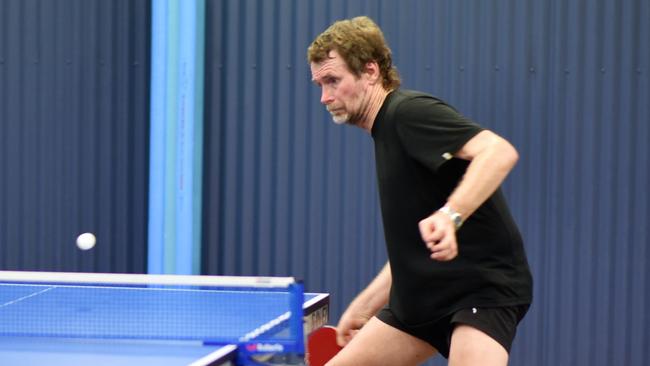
352 64
357 41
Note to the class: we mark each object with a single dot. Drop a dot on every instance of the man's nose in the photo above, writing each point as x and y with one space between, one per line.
326 97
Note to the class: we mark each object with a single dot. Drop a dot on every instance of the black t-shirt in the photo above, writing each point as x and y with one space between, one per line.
415 136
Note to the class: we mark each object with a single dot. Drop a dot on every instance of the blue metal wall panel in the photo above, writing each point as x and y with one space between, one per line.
73 133
566 81
278 175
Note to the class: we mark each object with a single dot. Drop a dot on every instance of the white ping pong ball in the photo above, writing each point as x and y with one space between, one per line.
86 241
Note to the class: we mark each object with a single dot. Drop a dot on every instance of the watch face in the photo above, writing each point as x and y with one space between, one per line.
455 217
457 220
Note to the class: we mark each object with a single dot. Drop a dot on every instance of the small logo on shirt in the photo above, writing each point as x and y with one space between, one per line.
474 310
447 156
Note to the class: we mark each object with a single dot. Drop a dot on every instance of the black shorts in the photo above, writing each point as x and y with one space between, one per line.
500 323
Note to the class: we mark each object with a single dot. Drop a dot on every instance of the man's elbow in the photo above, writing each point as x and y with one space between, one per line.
509 154
504 153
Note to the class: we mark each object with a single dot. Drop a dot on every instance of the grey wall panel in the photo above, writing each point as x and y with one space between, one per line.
74 107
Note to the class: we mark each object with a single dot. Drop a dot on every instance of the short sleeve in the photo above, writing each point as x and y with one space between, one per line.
432 131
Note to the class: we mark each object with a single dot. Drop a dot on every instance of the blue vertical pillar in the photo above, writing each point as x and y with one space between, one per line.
178 29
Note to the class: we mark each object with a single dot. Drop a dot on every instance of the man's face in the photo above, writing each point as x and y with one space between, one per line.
343 93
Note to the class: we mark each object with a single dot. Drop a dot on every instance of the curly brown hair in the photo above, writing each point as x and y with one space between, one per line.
359 41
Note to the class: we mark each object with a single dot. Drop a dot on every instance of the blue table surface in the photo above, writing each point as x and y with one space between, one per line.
57 351
113 326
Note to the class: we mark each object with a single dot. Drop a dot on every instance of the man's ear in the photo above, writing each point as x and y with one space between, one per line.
372 69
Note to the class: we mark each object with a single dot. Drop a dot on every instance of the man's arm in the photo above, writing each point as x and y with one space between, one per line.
364 306
491 159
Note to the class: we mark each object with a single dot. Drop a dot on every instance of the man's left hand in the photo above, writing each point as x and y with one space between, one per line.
439 234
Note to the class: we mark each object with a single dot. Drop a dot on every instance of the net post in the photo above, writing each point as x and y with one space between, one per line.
296 326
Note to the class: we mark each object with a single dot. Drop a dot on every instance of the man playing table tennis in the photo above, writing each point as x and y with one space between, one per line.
457 281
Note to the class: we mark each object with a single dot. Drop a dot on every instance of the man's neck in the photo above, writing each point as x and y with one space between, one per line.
376 99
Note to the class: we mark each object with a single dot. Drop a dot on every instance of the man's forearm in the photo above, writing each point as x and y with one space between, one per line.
484 175
375 296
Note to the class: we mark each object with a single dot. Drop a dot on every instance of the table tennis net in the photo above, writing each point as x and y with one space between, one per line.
211 314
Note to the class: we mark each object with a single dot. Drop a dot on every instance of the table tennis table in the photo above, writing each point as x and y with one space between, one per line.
63 322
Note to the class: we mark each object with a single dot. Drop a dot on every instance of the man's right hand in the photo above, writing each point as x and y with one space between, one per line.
351 322
364 307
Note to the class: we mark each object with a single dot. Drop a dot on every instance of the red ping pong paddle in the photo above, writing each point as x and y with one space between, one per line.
322 346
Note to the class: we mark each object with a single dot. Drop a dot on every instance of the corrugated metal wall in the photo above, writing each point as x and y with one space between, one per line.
74 124
285 192
567 81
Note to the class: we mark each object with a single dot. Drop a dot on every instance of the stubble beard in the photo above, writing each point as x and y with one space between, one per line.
349 118
340 119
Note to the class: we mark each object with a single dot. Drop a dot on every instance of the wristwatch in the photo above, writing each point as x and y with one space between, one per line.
455 217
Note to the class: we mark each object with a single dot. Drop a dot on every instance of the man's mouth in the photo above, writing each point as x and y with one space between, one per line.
334 110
